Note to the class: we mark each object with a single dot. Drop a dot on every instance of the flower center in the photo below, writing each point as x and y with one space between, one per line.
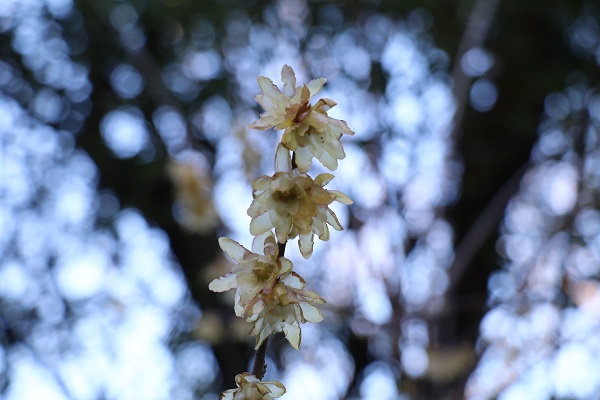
286 196
302 112
264 271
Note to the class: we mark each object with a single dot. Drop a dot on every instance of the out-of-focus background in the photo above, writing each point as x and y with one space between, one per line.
470 261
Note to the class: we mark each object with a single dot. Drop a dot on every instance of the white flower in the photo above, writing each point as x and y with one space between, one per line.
293 204
283 310
268 293
253 272
308 130
251 388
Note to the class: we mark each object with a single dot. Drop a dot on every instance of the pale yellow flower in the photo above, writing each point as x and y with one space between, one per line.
253 273
293 204
308 130
249 387
283 309
268 293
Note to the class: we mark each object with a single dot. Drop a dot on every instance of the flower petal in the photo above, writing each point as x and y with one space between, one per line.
337 126
324 105
324 236
286 265
224 283
294 281
282 225
305 243
264 333
324 179
318 195
334 147
328 161
305 94
258 243
239 310
265 122
261 182
233 248
288 77
283 162
311 313
303 159
293 334
333 221
228 394
277 389
260 224
315 85
341 197
268 87
290 139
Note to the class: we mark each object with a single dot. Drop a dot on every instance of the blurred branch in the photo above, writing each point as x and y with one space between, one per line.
474 36
488 219
485 224
577 127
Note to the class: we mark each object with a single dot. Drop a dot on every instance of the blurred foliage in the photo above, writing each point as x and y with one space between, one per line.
199 60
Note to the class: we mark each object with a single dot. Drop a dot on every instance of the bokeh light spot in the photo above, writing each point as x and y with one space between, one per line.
483 95
124 132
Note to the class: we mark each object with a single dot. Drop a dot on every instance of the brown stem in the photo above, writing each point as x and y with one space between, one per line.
260 367
281 248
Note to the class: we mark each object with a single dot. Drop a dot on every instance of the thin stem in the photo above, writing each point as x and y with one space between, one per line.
260 367
281 248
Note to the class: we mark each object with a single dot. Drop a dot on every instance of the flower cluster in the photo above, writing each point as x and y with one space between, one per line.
286 205
251 388
284 308
309 131
268 293
294 204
